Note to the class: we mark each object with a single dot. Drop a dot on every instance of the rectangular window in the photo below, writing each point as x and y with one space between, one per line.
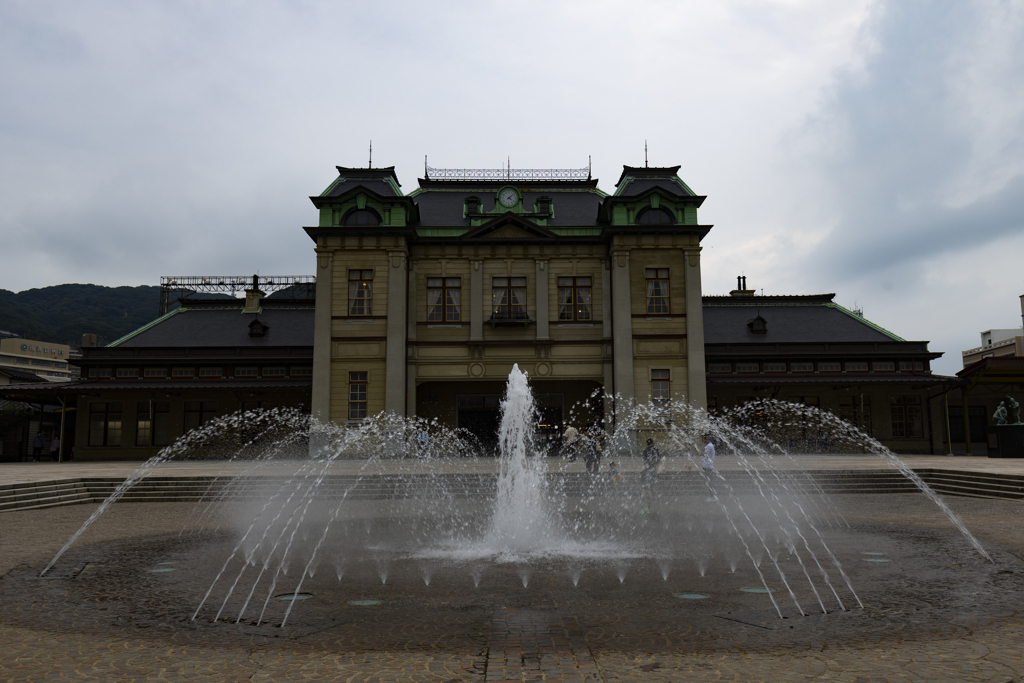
857 411
657 291
659 387
719 367
830 366
105 424
906 365
746 367
302 371
976 416
906 416
143 424
246 372
856 366
360 292
99 372
275 372
183 372
509 296
574 299
356 395
161 423
198 413
127 372
210 372
801 367
444 299
42 363
155 372
774 367
883 366
918 365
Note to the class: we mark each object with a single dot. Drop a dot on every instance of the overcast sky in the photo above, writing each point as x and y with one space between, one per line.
871 149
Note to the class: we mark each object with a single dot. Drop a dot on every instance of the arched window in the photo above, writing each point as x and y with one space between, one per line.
361 217
655 217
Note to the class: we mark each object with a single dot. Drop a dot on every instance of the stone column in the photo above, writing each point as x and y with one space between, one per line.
394 376
322 346
476 300
606 300
410 367
622 334
542 299
696 377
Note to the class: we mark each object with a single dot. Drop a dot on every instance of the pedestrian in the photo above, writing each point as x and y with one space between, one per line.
592 449
708 465
422 439
37 447
652 458
614 476
54 448
570 442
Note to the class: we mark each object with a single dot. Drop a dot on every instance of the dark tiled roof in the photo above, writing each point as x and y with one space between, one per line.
444 208
21 375
160 385
378 180
865 378
644 184
727 324
212 326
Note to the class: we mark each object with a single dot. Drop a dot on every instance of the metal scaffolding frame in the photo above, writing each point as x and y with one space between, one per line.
173 287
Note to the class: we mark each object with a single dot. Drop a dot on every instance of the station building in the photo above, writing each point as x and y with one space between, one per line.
425 300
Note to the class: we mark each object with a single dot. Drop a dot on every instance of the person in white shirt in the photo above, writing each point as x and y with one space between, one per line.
708 463
709 454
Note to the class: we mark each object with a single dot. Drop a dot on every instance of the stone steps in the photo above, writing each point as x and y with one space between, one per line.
44 494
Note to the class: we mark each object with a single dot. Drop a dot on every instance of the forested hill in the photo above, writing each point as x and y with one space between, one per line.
63 313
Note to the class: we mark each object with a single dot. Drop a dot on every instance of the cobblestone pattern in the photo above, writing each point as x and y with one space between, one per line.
937 612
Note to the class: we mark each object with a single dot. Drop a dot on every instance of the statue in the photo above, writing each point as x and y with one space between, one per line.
1013 411
1000 415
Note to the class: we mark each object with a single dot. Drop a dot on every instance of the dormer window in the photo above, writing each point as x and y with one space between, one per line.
472 205
258 328
655 217
361 217
758 325
543 205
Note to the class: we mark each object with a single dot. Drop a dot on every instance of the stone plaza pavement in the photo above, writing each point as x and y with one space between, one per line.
109 610
14 472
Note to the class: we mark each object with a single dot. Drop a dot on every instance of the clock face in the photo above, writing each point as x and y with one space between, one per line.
508 197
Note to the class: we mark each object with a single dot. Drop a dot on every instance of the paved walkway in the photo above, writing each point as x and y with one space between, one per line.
12 473
110 612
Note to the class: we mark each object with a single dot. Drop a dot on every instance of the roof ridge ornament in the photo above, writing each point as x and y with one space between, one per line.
506 173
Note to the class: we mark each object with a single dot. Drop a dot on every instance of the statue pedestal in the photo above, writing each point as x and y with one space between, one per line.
1011 441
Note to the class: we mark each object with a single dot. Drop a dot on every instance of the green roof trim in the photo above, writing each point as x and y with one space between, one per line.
180 309
864 320
394 186
441 232
675 179
576 232
337 181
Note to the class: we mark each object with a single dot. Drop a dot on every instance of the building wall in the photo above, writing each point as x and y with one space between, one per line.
879 424
472 349
227 402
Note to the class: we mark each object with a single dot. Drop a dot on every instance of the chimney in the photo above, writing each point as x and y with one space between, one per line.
253 296
741 287
88 341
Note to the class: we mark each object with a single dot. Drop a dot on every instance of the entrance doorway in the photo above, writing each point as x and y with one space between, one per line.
480 415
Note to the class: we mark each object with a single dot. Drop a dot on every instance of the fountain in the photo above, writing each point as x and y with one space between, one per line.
361 503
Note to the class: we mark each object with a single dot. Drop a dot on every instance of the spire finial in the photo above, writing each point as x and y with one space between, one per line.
645 153
371 154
